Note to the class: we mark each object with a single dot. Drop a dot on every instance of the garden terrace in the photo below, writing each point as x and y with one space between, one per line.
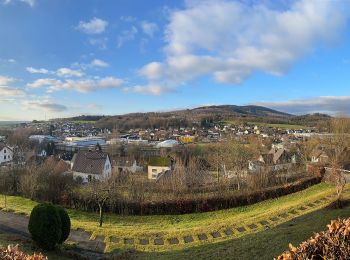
176 232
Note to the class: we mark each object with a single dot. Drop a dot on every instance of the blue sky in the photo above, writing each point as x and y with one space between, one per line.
61 57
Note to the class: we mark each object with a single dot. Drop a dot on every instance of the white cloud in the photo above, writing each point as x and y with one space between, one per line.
11 92
31 3
5 80
149 28
153 70
38 71
66 72
8 91
46 105
152 89
126 35
46 82
325 104
231 40
94 26
95 63
84 85
61 72
99 63
11 60
101 43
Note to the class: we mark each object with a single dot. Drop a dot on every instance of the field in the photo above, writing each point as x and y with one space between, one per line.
179 226
281 126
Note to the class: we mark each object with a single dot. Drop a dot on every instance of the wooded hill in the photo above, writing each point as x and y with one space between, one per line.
203 116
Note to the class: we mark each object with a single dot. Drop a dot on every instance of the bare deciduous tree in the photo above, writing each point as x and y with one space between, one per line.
338 145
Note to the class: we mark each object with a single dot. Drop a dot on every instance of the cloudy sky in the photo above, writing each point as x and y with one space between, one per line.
61 57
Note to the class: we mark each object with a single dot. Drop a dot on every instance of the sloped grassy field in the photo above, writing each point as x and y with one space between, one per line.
179 226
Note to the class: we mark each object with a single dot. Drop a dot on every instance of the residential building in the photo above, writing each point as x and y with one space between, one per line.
157 166
126 164
91 165
275 160
6 154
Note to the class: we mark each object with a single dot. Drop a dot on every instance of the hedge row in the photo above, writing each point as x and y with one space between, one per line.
195 205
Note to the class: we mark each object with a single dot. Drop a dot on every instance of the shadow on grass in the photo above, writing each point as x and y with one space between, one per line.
263 245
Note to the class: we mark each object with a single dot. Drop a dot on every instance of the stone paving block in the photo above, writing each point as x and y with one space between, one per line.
100 238
159 241
228 232
264 222
80 235
311 205
173 241
99 246
241 229
128 241
302 208
252 226
274 219
202 237
144 242
114 240
215 234
188 239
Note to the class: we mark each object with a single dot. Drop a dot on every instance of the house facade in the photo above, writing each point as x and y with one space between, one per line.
275 160
6 154
157 166
155 171
319 156
91 165
126 165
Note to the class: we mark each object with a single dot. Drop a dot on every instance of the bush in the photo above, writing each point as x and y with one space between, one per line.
331 244
65 221
45 226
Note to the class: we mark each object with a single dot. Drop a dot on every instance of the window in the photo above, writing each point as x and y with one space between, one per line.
4 157
154 170
4 150
154 176
89 178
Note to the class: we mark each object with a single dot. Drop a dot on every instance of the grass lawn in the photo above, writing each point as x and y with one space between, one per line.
170 226
262 245
282 126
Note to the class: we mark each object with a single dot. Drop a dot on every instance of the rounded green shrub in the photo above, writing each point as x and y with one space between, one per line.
65 221
45 225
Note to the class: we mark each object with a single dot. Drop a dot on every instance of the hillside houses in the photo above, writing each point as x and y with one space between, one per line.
91 165
275 160
6 154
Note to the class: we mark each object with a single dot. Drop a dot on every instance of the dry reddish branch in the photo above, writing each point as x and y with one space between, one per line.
13 253
331 244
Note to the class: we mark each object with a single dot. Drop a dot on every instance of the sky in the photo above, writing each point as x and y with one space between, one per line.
61 58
